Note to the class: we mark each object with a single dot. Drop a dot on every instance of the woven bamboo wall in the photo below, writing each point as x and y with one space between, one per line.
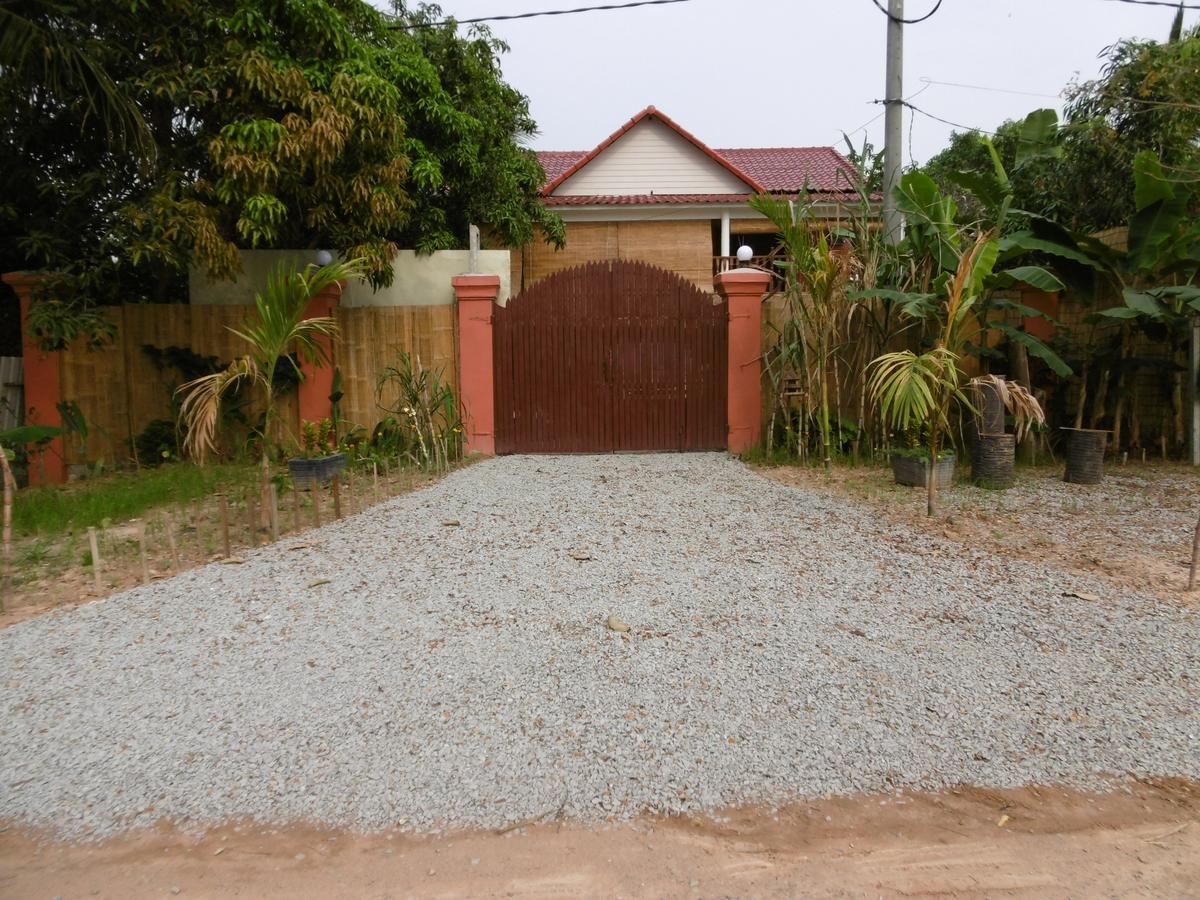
120 391
372 339
684 247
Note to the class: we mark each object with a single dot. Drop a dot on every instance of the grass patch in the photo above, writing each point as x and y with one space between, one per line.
117 497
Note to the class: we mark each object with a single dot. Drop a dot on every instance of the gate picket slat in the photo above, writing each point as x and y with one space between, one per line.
610 356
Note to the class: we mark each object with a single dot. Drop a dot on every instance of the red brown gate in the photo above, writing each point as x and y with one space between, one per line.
608 357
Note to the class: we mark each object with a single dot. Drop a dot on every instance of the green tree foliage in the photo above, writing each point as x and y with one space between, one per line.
272 123
1145 99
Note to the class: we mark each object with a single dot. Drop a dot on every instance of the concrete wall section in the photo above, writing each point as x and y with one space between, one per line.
418 280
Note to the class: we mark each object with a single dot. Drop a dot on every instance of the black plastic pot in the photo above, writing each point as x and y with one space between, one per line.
915 472
318 470
1085 455
992 460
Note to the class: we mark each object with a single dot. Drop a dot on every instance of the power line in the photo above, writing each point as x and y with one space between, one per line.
980 87
897 19
534 15
1171 3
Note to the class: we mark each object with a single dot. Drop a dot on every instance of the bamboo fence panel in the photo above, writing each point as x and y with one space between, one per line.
120 390
372 338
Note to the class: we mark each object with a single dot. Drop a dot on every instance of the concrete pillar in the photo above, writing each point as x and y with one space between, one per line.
313 400
47 464
743 291
725 245
476 299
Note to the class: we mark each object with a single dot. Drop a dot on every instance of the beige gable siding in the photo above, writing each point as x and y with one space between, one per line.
651 158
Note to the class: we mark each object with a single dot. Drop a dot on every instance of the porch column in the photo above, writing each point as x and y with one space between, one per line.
47 464
743 291
476 295
725 251
314 402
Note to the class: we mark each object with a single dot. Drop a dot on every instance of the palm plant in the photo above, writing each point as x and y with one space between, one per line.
917 391
278 326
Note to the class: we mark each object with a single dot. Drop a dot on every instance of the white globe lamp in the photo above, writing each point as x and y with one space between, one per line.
744 255
324 257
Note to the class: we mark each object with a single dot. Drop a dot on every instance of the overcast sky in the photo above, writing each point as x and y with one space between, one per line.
770 73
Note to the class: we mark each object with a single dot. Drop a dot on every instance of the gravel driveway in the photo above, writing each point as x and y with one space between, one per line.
782 644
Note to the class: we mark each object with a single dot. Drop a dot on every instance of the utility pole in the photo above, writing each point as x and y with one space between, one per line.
893 123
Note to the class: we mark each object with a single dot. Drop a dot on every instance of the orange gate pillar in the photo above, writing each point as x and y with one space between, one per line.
743 290
313 400
476 294
47 463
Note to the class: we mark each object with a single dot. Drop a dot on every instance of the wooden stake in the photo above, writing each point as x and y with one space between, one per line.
250 521
374 482
349 493
273 493
1195 557
94 545
337 496
225 525
169 524
142 551
197 526
295 508
314 491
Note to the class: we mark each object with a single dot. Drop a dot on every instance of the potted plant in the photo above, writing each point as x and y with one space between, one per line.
277 328
910 466
994 452
319 459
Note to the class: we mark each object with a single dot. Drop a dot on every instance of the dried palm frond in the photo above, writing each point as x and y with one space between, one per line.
1018 402
200 406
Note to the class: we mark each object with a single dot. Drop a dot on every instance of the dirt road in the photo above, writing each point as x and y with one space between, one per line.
968 843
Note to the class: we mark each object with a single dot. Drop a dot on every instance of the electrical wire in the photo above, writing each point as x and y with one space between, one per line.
887 12
534 15
996 90
1171 3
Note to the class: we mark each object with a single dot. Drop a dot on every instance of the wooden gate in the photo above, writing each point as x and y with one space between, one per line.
609 357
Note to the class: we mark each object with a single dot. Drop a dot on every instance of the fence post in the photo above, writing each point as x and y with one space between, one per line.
314 391
476 295
42 387
743 291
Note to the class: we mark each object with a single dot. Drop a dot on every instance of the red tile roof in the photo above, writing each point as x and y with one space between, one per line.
788 168
773 169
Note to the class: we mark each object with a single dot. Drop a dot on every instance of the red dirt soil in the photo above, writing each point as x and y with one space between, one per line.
969 842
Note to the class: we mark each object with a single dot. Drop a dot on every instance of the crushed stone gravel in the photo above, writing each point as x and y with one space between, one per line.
781 644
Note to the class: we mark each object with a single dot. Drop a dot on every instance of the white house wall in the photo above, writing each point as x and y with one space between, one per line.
417 281
651 158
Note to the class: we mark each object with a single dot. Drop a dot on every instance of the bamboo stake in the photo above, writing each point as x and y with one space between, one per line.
197 523
142 551
314 491
273 494
250 521
295 508
349 493
1195 557
337 497
169 524
94 545
374 482
225 525
9 489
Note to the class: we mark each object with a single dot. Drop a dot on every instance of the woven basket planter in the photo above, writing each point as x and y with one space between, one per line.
1085 455
993 459
317 471
915 472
